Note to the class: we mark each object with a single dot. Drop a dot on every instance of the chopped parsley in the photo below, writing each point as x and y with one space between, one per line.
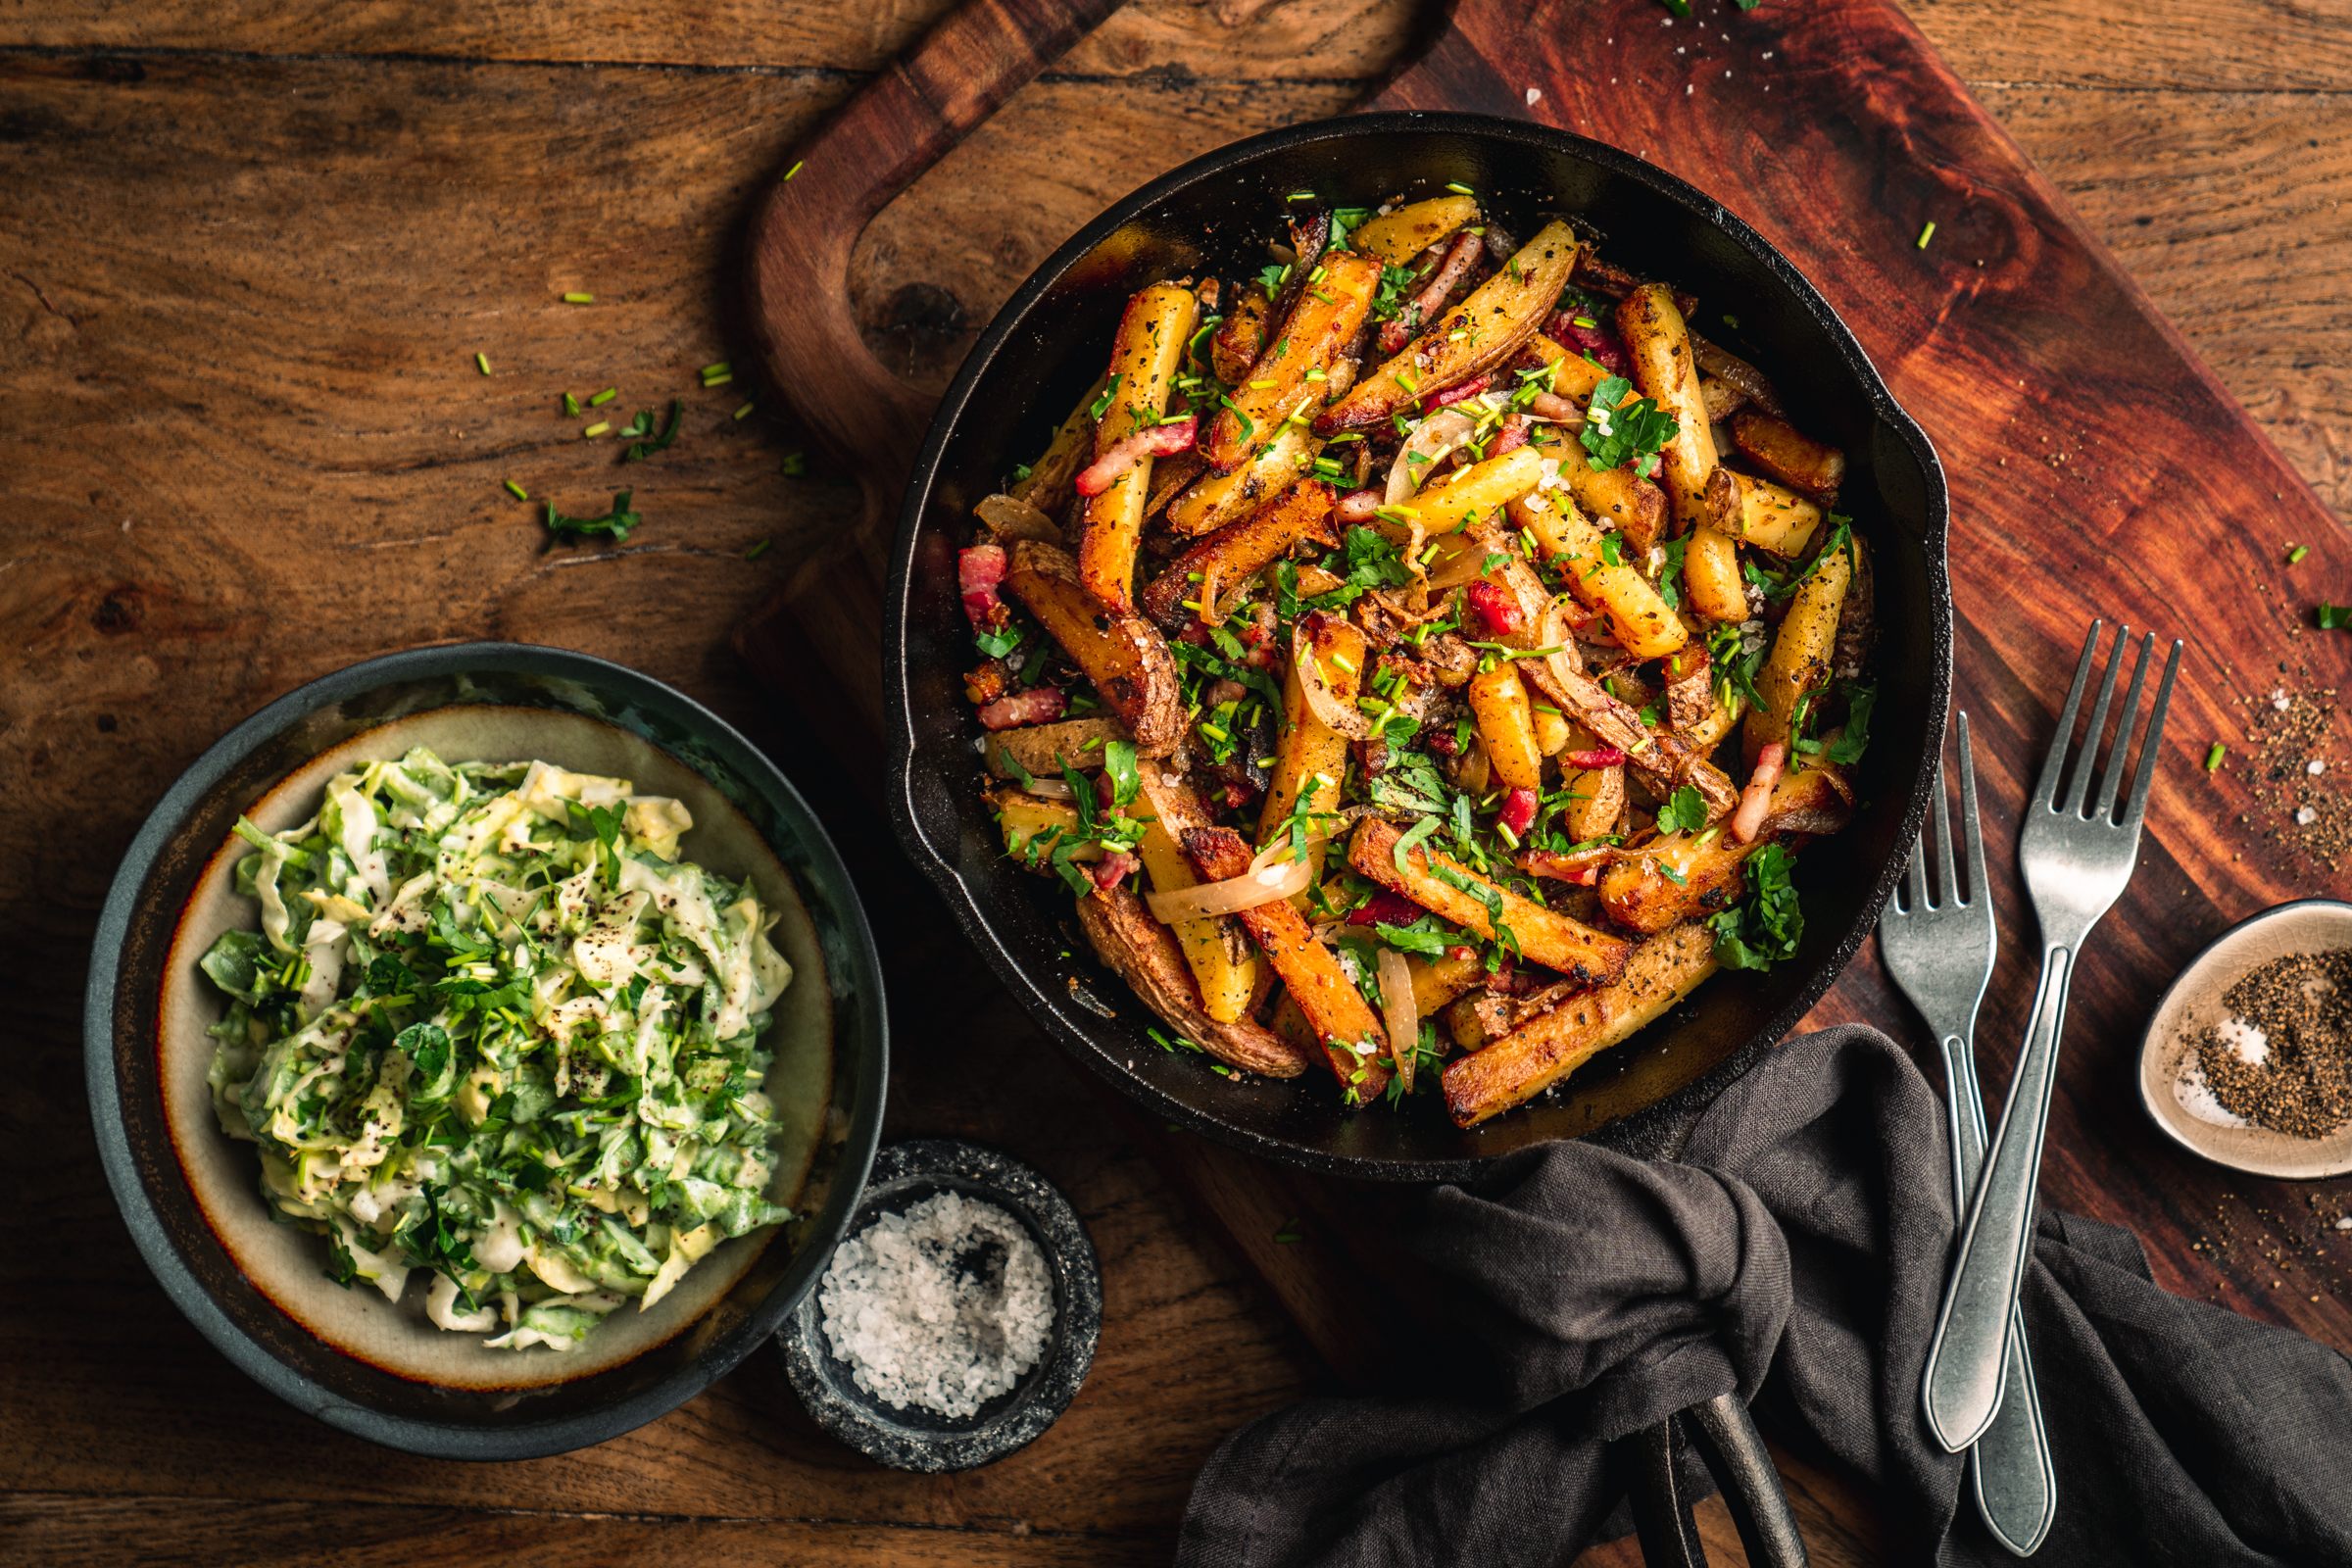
1765 927
614 524
1621 428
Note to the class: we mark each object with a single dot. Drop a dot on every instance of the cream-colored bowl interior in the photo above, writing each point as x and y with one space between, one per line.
286 1263
2194 1004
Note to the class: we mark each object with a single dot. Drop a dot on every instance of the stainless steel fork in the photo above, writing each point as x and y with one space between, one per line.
1940 944
2076 855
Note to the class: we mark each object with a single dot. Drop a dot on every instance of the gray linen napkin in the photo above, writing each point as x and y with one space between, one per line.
1795 1252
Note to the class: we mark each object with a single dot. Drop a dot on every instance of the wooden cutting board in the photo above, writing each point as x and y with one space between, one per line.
2097 469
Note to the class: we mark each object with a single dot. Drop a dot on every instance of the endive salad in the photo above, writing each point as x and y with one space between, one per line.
493 1027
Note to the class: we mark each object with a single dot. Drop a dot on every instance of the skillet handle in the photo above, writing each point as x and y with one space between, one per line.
1734 1452
827 616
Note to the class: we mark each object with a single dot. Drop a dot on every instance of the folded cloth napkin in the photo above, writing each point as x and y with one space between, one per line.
1794 1252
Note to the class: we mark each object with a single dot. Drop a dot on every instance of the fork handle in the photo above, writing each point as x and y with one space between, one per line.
1969 1354
2010 1468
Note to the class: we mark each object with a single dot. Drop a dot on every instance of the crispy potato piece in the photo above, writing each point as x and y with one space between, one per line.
1145 954
1789 455
1023 816
1637 617
1215 500
1572 374
1480 333
1799 660
1690 687
1721 397
1660 345
1596 814
1224 969
1009 519
1437 981
1348 1031
1170 477
1640 896
1206 573
1546 938
1313 749
1144 360
1722 713
1660 758
1616 499
1711 576
1407 232
1046 487
1044 748
1520 1065
1506 725
1720 363
1773 519
1242 336
1474 492
1124 655
1325 321
1552 729
1465 1023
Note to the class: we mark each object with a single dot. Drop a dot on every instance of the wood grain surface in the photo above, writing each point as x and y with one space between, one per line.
251 254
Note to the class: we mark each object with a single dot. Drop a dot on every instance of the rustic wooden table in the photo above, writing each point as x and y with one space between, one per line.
249 257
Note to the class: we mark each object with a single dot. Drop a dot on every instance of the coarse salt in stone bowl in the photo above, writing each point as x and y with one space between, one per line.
911 1437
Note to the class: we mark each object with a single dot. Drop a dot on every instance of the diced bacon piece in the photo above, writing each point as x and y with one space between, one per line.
1153 441
1602 756
1459 393
1040 705
978 570
1518 811
1113 868
1495 609
1606 347
1749 819
1388 908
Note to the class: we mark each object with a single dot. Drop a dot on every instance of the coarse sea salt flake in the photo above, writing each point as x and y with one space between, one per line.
2306 817
2315 767
2343 1222
944 1306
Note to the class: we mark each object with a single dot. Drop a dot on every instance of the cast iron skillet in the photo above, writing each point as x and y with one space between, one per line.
1048 345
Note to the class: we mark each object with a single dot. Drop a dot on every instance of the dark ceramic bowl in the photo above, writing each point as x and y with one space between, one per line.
1045 347
196 1252
909 1438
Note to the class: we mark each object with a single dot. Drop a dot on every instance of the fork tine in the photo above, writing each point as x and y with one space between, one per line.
1915 878
1947 887
2053 766
2139 804
1972 826
2111 777
2099 724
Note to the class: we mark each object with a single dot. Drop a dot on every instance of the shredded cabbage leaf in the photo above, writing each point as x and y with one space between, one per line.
492 1027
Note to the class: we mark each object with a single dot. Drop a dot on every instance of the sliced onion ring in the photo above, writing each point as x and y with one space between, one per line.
1433 438
1266 880
1398 1012
1554 630
1336 712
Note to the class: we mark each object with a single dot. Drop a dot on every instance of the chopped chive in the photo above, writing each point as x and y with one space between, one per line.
1926 235
519 493
742 411
571 406
2297 553
604 397
1302 196
795 464
1461 190
709 381
483 361
2213 759
720 368
794 169
1290 1231
752 554
598 428
580 299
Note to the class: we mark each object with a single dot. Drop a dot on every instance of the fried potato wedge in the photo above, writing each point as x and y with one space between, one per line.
1508 724
1638 617
1595 801
1662 370
1216 500
1043 749
1616 499
1345 1027
1325 321
1789 455
1545 937
1397 237
1124 655
1023 818
1146 954
1640 895
1474 492
1478 335
1660 758
1208 572
1573 375
1801 651
1772 517
1437 981
1312 759
1225 967
1242 336
1144 359
1522 1065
